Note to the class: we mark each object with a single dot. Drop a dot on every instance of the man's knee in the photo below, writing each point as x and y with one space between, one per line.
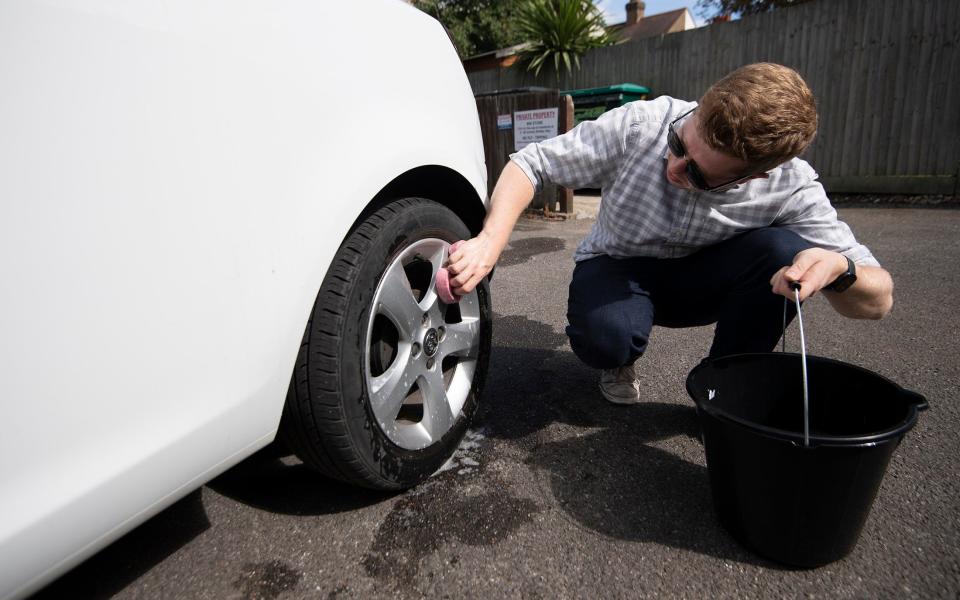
598 352
603 344
609 317
776 244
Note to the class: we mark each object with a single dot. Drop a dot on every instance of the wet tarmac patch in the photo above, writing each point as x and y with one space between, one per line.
466 457
520 251
520 332
451 508
266 580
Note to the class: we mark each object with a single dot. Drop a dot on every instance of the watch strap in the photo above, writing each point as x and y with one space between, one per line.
845 280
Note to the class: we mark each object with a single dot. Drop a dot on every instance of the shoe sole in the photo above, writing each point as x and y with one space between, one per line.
619 401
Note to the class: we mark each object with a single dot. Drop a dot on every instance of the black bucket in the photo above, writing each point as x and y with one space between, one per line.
802 505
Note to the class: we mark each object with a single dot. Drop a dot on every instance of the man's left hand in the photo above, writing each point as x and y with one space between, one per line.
813 269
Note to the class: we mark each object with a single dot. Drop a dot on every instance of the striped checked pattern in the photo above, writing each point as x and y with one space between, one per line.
641 214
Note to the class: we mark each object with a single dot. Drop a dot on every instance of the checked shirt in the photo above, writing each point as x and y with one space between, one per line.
624 153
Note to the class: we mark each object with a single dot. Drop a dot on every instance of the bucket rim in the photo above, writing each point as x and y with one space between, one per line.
870 439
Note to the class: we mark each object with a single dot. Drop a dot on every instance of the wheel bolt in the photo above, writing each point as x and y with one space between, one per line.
416 349
426 320
441 333
429 363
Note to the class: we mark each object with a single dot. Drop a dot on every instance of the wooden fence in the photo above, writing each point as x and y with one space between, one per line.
886 74
498 143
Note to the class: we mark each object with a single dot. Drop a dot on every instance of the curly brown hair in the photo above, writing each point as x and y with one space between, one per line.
762 113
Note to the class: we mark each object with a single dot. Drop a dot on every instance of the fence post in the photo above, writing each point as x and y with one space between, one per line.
564 194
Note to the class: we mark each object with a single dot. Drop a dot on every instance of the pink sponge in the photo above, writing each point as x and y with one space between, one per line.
443 280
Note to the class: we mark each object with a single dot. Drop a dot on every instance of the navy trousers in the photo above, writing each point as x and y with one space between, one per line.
614 303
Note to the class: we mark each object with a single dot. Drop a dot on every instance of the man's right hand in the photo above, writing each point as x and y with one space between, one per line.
472 261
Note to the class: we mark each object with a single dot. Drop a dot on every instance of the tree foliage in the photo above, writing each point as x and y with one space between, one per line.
722 10
476 26
559 32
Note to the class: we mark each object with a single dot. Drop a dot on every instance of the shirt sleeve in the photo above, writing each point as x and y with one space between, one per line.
586 156
808 212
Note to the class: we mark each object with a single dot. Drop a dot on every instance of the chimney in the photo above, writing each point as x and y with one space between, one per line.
634 12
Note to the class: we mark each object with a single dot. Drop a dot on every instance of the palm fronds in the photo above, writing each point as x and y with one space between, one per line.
559 32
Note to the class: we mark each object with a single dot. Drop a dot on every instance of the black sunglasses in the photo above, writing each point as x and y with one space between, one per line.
693 172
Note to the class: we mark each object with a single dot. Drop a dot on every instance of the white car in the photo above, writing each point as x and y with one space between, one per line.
221 222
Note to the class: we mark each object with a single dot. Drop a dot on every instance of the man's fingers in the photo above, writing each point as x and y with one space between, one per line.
778 276
780 283
454 268
468 280
801 263
456 256
459 263
466 287
459 280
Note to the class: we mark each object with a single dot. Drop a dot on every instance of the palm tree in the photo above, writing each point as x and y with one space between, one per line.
559 32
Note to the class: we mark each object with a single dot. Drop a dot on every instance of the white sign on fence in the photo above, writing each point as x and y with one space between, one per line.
534 126
504 122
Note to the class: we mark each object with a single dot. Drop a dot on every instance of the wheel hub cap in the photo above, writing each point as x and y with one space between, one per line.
431 341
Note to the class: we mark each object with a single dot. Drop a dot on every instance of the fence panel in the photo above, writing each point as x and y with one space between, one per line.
885 73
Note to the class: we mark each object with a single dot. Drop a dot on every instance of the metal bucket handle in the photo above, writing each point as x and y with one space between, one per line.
803 357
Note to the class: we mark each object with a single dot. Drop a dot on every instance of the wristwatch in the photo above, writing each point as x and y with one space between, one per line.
845 280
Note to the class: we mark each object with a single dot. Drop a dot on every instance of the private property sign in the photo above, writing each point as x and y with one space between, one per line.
534 126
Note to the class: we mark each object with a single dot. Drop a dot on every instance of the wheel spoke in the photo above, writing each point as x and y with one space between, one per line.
388 390
462 339
437 418
398 303
431 300
437 258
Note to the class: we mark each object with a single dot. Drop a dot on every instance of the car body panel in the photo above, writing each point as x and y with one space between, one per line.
175 179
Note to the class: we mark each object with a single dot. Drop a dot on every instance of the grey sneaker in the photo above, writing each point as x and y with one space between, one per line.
620 385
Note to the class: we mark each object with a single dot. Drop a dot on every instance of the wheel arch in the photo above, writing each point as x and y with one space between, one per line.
435 182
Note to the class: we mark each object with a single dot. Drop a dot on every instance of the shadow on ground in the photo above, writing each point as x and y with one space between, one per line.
614 470
614 482
134 554
275 481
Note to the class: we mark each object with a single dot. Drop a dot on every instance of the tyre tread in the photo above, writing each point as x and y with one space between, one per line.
314 425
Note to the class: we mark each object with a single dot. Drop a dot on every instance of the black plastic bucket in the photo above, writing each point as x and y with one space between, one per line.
799 505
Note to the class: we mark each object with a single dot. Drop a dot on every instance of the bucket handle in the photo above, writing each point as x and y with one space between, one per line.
803 357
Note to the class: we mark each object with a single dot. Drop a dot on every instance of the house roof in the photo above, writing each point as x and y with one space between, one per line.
650 26
500 52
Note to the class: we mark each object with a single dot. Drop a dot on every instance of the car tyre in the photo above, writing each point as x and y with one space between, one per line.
388 378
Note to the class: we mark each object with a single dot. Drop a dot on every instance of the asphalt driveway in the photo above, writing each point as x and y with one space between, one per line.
556 493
